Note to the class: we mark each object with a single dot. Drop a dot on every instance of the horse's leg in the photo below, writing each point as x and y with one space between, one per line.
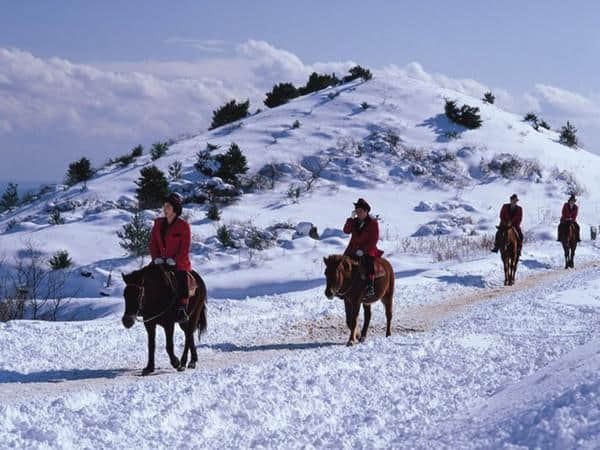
367 320
192 347
351 315
184 327
506 269
151 332
388 301
566 251
169 329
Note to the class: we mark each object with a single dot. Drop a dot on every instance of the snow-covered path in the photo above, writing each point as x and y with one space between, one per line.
274 372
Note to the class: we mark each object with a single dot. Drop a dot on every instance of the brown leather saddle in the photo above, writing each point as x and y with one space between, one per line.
192 284
379 270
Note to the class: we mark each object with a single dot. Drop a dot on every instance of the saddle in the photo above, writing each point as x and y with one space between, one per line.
379 269
192 284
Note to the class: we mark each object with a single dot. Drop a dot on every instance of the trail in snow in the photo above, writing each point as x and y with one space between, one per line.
328 330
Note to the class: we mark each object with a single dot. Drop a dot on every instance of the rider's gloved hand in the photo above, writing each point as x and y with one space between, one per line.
170 262
158 261
359 253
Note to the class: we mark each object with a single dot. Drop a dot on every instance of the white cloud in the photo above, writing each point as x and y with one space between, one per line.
109 106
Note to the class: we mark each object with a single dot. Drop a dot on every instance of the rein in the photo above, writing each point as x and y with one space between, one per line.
342 294
141 305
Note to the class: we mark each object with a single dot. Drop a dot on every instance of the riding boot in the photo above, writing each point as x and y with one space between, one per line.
370 288
181 315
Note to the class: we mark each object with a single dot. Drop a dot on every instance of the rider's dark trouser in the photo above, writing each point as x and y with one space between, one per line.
369 263
182 286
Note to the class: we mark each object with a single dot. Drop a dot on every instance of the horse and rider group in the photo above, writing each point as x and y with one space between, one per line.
168 291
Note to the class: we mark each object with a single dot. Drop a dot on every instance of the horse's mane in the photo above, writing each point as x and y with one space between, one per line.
150 272
335 258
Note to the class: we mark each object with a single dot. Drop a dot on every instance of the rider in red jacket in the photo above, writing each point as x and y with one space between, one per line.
170 244
363 243
569 215
511 214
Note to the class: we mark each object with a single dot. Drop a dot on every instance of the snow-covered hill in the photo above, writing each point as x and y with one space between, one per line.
272 372
395 154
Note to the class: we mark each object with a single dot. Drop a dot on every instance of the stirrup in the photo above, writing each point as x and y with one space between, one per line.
181 315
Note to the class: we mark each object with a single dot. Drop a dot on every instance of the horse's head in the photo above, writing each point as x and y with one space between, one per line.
144 289
338 268
134 296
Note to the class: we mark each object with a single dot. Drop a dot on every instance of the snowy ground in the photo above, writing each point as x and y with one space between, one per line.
470 364
488 369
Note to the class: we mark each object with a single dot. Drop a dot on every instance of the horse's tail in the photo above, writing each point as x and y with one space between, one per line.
201 294
391 281
202 324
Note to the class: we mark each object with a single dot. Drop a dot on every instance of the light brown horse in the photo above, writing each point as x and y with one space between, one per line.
569 243
344 280
509 251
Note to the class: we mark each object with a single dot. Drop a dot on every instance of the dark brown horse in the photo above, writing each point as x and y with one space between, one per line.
569 243
345 279
509 251
151 292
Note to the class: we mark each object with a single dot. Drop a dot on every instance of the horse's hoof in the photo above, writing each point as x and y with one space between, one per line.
175 363
192 365
362 339
350 344
147 371
180 368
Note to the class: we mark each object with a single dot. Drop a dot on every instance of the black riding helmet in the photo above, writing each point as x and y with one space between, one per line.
176 201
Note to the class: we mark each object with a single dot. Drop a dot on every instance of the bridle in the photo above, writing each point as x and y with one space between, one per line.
140 302
340 267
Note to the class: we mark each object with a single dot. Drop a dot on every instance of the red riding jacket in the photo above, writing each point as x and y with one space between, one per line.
515 216
363 238
569 213
176 244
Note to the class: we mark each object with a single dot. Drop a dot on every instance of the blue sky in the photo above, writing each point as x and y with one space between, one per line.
543 54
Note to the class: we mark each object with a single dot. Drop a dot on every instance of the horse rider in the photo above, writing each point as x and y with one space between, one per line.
363 242
170 244
511 214
569 215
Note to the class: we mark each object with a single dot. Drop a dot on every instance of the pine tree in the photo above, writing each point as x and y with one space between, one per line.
317 82
467 116
280 94
224 236
137 151
10 198
544 124
79 171
358 72
152 189
60 260
229 112
568 136
158 150
488 97
135 236
175 170
56 218
213 212
231 164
